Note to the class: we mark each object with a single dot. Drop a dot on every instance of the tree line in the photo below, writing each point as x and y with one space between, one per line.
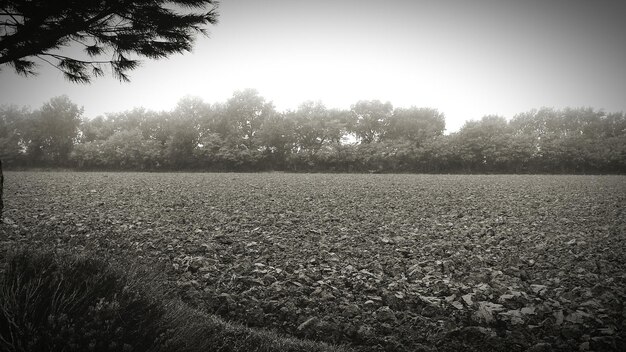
247 133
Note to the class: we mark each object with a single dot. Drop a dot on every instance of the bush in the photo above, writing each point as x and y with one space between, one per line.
56 302
61 303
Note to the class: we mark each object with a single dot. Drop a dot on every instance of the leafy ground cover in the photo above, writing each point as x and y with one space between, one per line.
374 262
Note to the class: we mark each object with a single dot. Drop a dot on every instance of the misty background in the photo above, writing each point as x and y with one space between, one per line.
466 59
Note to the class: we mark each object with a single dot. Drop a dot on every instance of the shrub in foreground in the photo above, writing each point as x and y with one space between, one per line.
51 302
62 303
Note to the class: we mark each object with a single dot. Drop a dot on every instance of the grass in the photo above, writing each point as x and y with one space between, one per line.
61 302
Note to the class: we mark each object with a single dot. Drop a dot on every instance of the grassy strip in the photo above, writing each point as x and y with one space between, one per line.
196 331
58 302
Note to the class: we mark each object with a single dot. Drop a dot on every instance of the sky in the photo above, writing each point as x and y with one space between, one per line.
465 58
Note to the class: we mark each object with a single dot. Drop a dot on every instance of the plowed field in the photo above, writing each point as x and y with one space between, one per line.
373 262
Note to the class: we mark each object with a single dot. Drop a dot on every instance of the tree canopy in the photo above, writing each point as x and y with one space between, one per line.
114 33
246 133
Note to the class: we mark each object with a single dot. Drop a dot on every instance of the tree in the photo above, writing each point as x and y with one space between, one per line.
369 119
247 110
184 128
276 139
60 119
51 131
482 144
109 32
414 124
11 132
316 126
96 129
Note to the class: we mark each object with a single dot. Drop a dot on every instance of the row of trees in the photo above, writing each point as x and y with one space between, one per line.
246 133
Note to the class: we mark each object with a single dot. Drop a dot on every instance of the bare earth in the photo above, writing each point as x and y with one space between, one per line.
375 262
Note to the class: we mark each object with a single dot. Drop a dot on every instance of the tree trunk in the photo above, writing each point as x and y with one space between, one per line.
1 188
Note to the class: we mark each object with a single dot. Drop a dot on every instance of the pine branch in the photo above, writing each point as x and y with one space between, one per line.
148 29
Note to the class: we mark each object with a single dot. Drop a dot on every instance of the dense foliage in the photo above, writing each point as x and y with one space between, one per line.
379 262
246 133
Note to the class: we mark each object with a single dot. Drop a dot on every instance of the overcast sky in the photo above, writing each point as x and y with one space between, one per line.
466 58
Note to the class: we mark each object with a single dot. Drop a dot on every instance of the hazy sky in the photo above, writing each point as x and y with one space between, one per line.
465 58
